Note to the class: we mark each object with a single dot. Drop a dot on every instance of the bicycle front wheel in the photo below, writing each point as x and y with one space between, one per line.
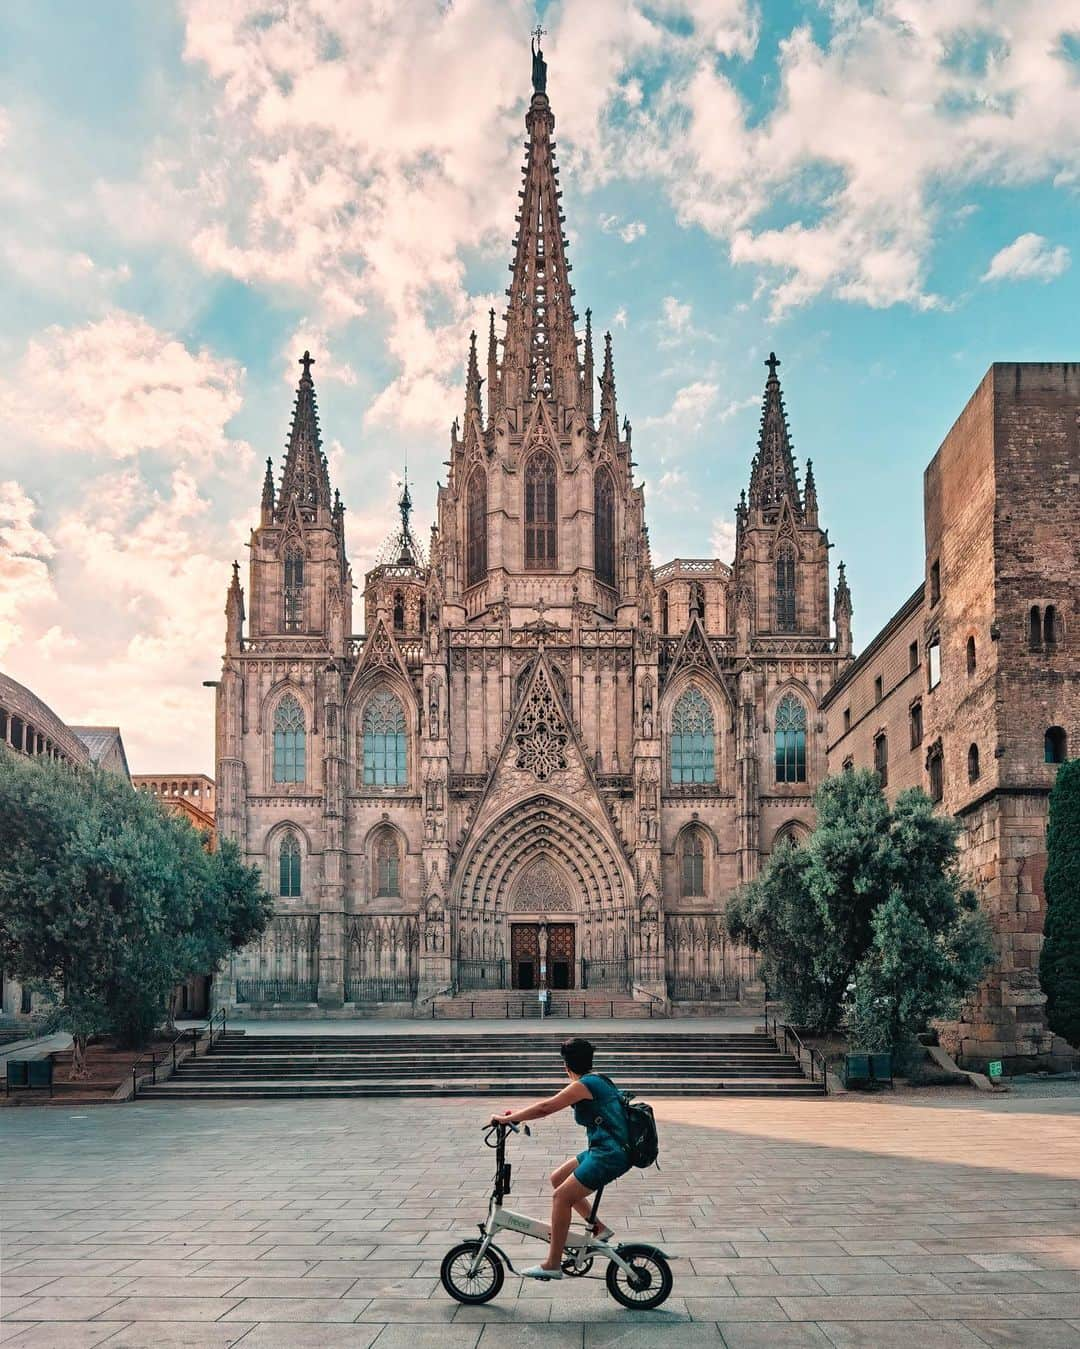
469 1285
651 1283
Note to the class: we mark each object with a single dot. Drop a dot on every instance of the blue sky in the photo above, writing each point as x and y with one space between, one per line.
195 190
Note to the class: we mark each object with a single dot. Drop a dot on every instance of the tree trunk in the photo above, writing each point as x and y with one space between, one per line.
79 1070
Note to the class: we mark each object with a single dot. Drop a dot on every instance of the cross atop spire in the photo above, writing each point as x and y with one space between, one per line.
773 475
305 477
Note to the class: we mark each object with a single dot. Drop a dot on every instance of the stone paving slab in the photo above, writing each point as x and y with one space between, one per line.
846 1223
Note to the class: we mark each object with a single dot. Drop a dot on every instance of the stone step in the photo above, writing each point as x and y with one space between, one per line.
180 1089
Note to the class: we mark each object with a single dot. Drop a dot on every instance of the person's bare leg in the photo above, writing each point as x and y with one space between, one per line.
566 1198
584 1206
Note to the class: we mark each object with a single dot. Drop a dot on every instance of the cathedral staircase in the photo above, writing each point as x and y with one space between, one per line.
493 1004
496 1063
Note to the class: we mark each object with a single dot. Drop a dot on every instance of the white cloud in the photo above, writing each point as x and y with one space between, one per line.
313 338
1028 258
628 232
119 387
871 126
25 551
722 539
619 318
689 409
676 316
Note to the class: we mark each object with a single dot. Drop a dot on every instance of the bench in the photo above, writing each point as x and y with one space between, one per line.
28 1074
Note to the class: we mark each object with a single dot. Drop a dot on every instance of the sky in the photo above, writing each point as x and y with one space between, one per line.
192 192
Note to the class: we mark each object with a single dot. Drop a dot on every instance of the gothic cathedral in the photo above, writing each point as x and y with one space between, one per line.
547 761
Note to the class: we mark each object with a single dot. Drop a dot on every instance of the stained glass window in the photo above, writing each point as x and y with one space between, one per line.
540 512
290 741
289 867
693 864
385 748
790 738
476 529
604 527
387 865
693 740
785 589
294 590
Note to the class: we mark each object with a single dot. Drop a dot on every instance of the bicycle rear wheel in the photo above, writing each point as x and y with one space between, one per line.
473 1287
652 1282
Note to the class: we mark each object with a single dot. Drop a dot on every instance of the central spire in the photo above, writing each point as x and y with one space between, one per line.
540 347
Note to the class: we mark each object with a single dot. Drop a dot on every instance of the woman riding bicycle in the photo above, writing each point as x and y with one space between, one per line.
599 1108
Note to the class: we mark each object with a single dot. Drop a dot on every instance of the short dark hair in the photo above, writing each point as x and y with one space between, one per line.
577 1055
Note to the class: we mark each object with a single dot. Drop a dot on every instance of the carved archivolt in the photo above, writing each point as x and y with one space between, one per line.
539 827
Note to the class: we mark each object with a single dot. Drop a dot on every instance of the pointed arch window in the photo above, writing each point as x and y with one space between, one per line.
399 611
604 527
540 512
476 528
692 868
785 588
290 741
385 741
294 589
693 740
663 613
1050 625
289 867
387 862
790 740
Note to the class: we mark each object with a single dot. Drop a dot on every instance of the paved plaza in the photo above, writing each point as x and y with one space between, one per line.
939 1220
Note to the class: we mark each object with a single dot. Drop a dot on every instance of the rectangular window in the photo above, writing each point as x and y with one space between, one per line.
881 759
913 656
916 724
847 719
877 689
933 660
935 581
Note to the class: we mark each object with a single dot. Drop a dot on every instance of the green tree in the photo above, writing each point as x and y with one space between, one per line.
872 903
107 902
1059 964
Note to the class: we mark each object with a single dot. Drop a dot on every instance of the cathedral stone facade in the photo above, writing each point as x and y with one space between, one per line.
546 761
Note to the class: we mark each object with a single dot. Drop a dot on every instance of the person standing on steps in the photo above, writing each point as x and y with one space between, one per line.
600 1109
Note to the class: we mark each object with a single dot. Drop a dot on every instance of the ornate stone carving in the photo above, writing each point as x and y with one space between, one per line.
541 889
542 733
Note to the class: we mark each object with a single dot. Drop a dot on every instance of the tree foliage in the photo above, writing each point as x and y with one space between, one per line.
1059 964
868 917
107 901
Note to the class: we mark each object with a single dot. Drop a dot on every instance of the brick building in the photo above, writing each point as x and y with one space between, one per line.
187 794
972 690
545 758
29 726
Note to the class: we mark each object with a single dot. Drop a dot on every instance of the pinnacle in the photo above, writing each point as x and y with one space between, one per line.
305 477
773 477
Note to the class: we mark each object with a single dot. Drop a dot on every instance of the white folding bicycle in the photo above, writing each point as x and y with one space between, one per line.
638 1275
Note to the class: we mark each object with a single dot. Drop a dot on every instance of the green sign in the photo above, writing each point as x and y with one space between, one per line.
994 1069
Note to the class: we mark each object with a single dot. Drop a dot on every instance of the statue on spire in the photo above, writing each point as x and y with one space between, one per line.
539 65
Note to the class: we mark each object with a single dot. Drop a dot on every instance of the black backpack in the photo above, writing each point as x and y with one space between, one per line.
643 1142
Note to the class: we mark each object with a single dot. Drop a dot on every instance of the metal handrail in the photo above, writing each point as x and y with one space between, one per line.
194 1032
816 1057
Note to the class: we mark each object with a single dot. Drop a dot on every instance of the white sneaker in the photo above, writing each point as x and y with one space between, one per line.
539 1272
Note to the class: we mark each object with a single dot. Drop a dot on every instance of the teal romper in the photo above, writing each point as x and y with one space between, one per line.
604 1118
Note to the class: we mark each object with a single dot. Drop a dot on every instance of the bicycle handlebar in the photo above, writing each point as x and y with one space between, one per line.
504 1125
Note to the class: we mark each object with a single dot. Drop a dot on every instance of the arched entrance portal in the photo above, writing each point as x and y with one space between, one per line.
541 899
542 950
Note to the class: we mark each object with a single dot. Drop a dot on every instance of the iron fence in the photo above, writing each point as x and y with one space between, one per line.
401 988
277 990
478 974
606 974
688 989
